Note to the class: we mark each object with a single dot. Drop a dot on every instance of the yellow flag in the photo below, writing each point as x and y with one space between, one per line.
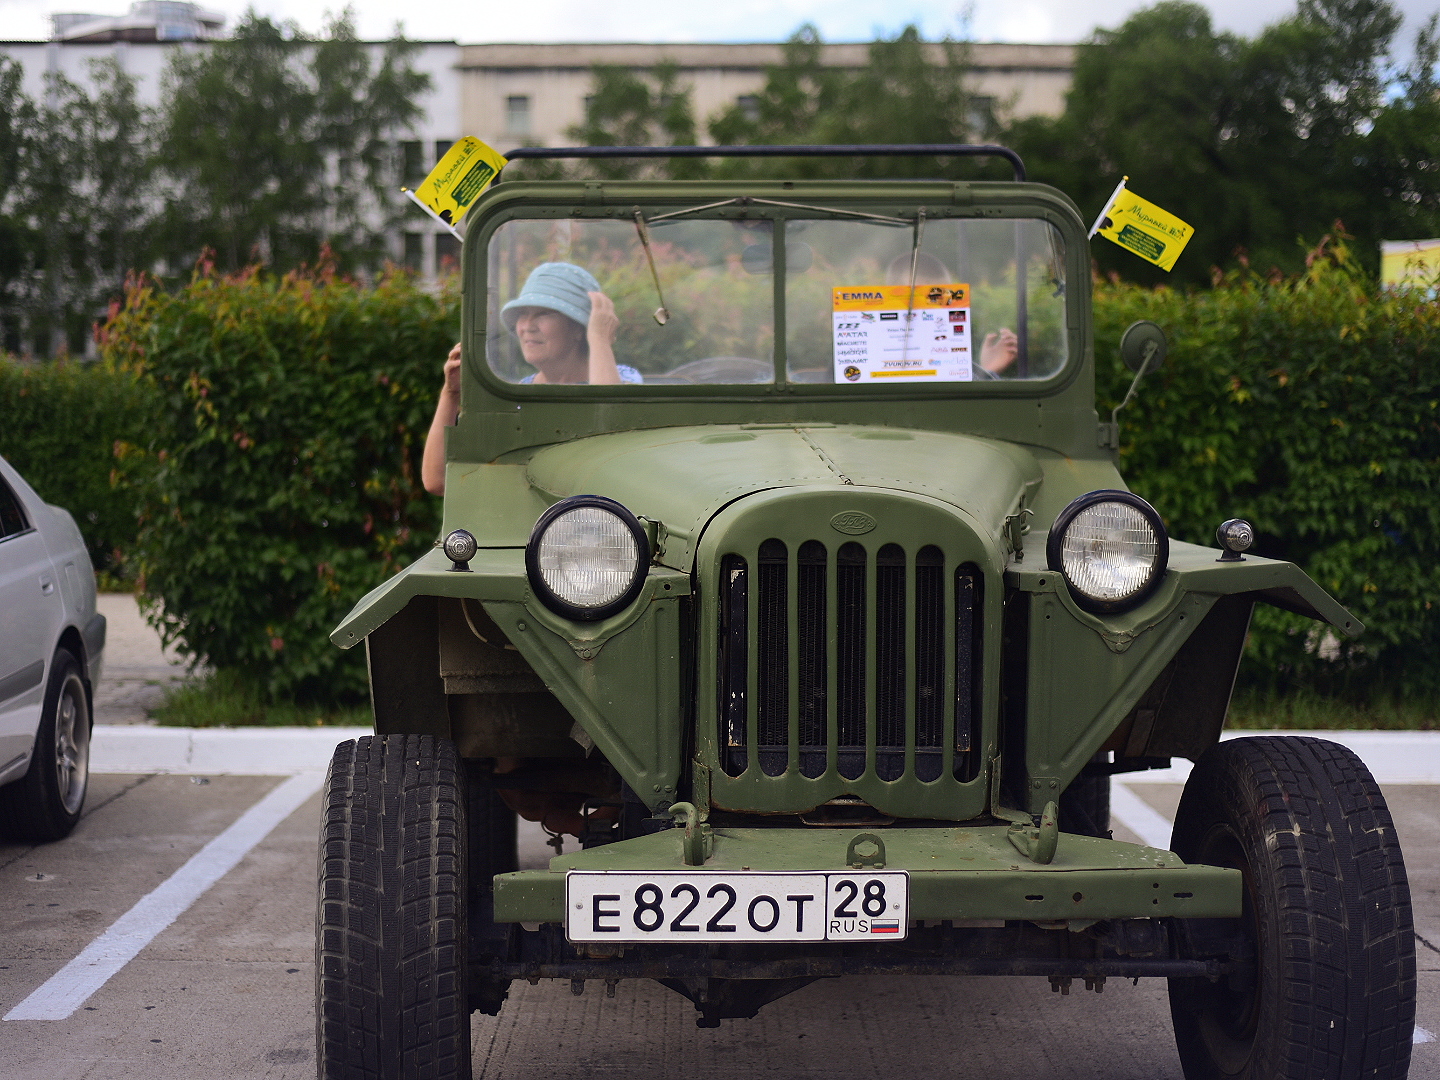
465 171
1156 235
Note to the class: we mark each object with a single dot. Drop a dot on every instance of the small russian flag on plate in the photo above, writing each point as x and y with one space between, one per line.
888 926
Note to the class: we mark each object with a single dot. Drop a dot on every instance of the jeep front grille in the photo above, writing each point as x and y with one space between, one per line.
863 657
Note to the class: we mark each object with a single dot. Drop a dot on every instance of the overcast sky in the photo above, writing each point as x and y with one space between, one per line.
735 20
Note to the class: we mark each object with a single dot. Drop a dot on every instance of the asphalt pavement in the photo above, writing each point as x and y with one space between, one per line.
171 936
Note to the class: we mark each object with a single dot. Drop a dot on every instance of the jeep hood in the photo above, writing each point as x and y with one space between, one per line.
682 477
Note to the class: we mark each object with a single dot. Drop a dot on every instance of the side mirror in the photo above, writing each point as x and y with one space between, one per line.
1143 347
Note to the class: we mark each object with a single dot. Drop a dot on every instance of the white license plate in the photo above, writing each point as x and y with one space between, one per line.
680 906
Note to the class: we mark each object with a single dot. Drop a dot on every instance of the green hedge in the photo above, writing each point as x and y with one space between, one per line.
60 424
1310 406
282 478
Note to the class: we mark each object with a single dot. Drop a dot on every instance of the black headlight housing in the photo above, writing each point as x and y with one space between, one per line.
587 558
1111 548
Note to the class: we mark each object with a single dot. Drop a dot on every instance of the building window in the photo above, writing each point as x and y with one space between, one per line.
412 163
414 252
749 106
517 115
442 147
447 253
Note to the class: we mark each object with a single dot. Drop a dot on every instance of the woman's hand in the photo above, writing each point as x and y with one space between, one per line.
600 336
998 350
447 411
604 323
452 373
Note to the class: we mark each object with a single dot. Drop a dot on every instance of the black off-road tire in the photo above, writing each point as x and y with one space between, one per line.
390 941
1327 918
1085 806
45 804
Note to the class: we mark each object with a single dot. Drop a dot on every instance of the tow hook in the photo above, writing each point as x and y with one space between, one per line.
1038 842
699 840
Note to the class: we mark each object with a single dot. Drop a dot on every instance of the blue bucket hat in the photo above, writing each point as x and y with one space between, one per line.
558 286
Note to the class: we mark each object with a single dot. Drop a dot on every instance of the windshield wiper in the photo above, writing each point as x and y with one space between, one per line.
662 315
749 200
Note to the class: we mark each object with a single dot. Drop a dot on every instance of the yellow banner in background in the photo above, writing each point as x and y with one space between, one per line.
462 174
1412 263
1141 227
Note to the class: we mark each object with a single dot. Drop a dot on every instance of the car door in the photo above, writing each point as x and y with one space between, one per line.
30 603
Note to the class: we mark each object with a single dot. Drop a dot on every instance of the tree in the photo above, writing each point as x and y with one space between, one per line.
276 145
78 205
629 108
1258 143
910 90
17 121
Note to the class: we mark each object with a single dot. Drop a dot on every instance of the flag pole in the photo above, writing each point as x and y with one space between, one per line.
1093 228
416 200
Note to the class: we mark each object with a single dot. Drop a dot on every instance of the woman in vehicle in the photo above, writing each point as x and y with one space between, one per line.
565 325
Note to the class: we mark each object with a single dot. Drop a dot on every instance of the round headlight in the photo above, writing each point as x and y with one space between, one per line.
1111 548
587 558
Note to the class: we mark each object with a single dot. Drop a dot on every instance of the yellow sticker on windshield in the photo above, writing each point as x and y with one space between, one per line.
462 174
883 332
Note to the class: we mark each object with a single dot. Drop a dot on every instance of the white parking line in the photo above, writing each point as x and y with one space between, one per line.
1422 1036
72 985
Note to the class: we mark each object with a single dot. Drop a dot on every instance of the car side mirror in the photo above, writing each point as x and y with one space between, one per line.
1143 347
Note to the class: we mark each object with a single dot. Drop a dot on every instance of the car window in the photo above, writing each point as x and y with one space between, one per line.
714 286
850 316
12 514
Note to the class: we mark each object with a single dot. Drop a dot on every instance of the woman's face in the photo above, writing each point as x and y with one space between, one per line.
547 336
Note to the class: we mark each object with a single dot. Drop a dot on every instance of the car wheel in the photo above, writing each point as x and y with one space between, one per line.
45 803
390 942
1085 806
1329 993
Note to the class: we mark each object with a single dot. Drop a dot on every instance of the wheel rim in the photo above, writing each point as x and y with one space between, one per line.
1228 1010
72 745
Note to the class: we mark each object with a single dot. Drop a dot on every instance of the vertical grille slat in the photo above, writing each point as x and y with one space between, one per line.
813 618
733 661
772 659
866 670
967 664
890 663
930 606
850 574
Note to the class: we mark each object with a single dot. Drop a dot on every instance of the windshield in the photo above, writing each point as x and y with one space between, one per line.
692 301
850 315
546 321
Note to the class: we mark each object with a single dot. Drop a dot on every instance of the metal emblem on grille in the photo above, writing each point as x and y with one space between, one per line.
852 522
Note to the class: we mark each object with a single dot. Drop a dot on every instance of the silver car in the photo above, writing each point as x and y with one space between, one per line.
52 644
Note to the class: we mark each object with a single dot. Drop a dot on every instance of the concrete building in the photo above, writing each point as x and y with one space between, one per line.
517 94
511 94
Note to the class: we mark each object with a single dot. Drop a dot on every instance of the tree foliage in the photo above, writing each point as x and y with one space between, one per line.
1259 143
275 144
76 203
267 145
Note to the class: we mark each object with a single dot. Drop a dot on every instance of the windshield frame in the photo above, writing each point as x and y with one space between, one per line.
519 201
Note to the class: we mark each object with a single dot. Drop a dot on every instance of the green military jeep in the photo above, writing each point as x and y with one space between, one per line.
803 592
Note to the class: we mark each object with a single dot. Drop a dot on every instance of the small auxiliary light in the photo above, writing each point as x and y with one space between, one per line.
1235 536
460 548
